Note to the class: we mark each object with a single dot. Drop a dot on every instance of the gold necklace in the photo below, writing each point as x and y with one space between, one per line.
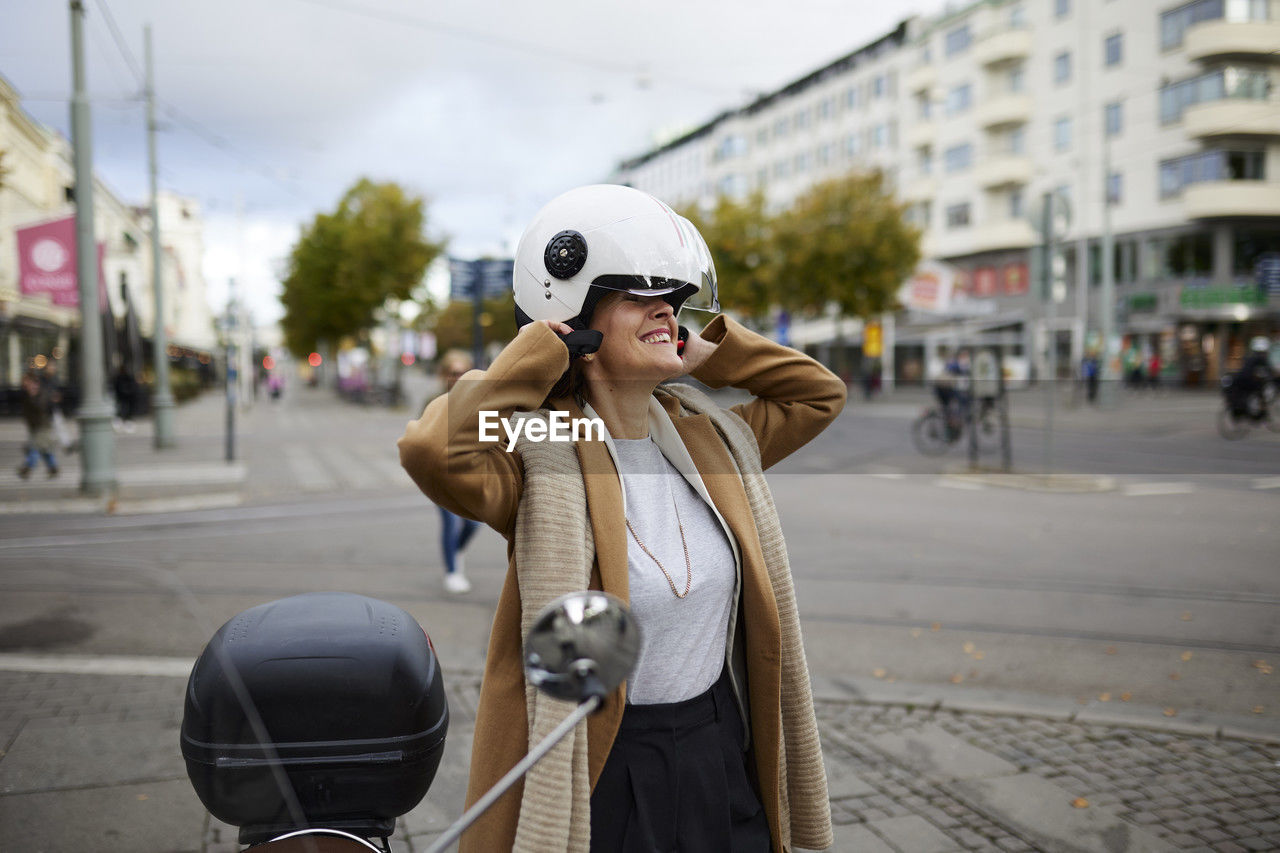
688 567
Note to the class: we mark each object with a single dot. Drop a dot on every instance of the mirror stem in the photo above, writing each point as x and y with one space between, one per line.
535 755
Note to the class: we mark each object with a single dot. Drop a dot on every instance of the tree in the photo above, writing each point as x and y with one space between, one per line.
452 324
739 235
845 241
348 263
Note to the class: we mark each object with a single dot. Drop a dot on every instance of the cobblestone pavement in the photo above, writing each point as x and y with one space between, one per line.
1192 793
91 761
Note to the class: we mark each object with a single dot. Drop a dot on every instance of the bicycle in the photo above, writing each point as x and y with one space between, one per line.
1241 413
936 430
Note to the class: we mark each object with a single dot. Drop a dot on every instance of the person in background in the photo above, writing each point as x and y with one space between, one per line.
126 390
37 411
455 531
1089 370
1154 366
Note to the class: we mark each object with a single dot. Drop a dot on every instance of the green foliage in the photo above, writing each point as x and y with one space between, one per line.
739 235
348 263
452 324
844 241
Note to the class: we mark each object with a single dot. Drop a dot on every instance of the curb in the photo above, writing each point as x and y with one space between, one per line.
1049 483
969 700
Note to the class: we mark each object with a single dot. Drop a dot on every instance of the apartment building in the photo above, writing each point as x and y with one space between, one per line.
37 181
1157 124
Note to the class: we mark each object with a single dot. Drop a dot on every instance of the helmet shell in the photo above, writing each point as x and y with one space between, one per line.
605 237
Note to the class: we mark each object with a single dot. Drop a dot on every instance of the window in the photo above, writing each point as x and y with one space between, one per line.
780 128
824 154
1113 118
1174 23
1017 203
801 120
852 147
1061 8
1017 17
879 86
957 158
1113 49
957 40
825 108
802 162
762 137
1062 67
851 97
1115 187
959 99
880 136
1062 134
1227 82
1015 79
1016 140
924 106
781 168
958 215
924 160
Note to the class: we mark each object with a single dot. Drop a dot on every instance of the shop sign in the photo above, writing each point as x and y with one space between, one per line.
1016 280
1142 303
984 281
47 263
1220 297
872 341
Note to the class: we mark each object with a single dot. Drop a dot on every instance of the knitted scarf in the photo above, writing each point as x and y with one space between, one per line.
554 553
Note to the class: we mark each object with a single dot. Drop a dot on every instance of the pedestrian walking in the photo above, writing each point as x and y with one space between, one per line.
1154 366
126 391
1089 371
666 506
455 531
37 412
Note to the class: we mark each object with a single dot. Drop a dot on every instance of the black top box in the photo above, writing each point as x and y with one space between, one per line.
324 709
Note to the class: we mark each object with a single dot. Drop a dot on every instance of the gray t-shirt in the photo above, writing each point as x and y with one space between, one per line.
683 650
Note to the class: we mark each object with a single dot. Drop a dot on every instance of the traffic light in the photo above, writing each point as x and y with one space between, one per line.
314 359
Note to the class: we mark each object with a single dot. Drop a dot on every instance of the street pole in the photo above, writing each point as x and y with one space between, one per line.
477 308
162 398
231 371
1107 311
1050 319
97 442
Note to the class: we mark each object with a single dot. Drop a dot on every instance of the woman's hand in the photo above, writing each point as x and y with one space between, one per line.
558 328
696 351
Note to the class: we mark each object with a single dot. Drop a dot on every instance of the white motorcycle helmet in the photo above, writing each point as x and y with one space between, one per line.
595 239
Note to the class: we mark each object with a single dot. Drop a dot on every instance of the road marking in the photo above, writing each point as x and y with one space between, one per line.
307 470
353 470
889 475
164 475
964 485
95 665
1267 483
1139 490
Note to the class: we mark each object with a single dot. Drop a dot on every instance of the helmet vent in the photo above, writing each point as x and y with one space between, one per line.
565 255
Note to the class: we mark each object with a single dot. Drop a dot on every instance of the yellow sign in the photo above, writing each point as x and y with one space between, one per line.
872 341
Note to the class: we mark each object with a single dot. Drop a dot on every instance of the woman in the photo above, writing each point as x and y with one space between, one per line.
711 744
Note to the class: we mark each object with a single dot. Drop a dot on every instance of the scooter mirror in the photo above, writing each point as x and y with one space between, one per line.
582 644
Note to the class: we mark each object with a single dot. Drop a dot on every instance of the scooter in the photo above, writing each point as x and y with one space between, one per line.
313 722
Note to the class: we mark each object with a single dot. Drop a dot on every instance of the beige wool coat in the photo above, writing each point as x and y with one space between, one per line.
794 398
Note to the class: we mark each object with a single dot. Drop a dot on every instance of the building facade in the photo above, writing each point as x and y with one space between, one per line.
1155 126
37 181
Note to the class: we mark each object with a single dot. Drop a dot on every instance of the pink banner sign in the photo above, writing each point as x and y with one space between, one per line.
47 263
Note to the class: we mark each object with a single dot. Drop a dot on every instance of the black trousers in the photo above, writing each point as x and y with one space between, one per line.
677 780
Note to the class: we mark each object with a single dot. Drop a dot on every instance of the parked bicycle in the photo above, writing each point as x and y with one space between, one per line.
938 428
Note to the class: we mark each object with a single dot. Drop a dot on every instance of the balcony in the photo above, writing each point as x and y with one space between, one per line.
1003 109
1002 169
1232 117
1002 46
1231 39
920 189
1006 234
919 134
1213 199
921 78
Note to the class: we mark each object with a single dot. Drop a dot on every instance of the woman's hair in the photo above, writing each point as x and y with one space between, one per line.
572 383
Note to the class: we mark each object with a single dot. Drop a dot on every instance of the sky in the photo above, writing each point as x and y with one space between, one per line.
271 109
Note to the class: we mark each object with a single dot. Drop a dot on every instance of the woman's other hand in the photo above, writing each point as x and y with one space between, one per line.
558 328
696 351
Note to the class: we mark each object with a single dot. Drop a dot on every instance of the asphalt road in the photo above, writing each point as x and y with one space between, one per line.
1160 589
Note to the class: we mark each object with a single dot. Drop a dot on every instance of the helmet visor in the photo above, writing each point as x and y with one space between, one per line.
684 274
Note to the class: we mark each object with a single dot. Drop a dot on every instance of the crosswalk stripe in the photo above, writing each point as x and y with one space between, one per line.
1135 490
350 468
93 665
963 485
307 470
1267 483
